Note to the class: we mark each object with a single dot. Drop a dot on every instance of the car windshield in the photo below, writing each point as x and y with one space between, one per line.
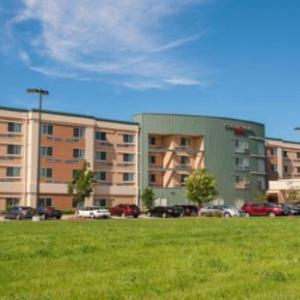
228 206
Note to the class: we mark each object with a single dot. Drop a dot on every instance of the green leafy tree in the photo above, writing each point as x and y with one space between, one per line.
82 183
200 187
261 197
148 197
292 195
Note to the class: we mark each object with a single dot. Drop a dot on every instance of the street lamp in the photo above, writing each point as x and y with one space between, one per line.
40 92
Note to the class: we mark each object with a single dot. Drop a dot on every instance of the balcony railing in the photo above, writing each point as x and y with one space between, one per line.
243 150
183 167
242 185
242 168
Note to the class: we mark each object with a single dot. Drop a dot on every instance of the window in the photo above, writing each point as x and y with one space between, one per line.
184 142
100 136
101 176
273 151
46 151
78 132
184 160
128 138
285 153
182 178
152 178
127 176
10 202
237 161
286 169
47 129
44 202
13 172
152 140
100 202
14 127
237 143
100 155
273 168
46 173
152 159
237 179
14 149
78 153
298 155
128 157
298 170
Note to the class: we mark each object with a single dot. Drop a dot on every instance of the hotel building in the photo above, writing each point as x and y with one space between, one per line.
157 150
110 147
172 146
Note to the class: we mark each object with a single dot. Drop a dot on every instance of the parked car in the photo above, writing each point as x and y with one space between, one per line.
20 212
164 212
262 209
49 212
93 212
222 210
187 210
125 210
290 209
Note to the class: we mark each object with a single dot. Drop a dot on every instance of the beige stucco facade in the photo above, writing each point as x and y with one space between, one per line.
283 168
18 172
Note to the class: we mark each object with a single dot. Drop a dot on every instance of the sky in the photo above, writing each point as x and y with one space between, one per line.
115 58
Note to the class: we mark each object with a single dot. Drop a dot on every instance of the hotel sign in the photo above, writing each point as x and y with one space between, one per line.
239 129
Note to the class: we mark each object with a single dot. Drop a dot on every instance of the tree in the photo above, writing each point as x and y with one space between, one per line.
200 187
148 197
261 197
292 195
81 185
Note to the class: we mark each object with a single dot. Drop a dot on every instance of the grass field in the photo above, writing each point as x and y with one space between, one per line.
206 258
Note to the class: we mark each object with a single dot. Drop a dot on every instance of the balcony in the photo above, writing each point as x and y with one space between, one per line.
241 168
104 143
242 185
242 150
184 167
155 167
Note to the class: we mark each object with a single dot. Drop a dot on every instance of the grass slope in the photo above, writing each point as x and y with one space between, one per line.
207 258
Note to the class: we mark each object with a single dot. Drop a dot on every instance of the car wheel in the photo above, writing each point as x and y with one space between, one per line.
58 217
271 214
247 215
164 215
136 216
227 215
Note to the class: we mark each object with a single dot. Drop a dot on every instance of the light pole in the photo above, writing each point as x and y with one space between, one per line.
40 92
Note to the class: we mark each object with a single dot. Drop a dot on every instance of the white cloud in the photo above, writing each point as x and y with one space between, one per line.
105 38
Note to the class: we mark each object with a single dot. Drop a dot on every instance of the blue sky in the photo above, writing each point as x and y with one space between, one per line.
112 59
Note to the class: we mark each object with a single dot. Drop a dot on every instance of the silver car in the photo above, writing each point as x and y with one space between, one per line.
224 210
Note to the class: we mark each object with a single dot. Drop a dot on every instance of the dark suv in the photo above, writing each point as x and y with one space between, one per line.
20 212
49 212
187 210
125 210
164 212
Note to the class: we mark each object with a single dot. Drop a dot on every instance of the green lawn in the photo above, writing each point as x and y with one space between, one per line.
206 258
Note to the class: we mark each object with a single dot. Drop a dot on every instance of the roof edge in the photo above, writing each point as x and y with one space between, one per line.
200 116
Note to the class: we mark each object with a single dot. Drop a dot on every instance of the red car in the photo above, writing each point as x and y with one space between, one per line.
125 210
262 209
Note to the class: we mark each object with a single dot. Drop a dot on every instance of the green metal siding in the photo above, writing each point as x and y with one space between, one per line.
219 144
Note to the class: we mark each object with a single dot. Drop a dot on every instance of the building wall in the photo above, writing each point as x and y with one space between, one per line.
61 162
283 167
219 151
